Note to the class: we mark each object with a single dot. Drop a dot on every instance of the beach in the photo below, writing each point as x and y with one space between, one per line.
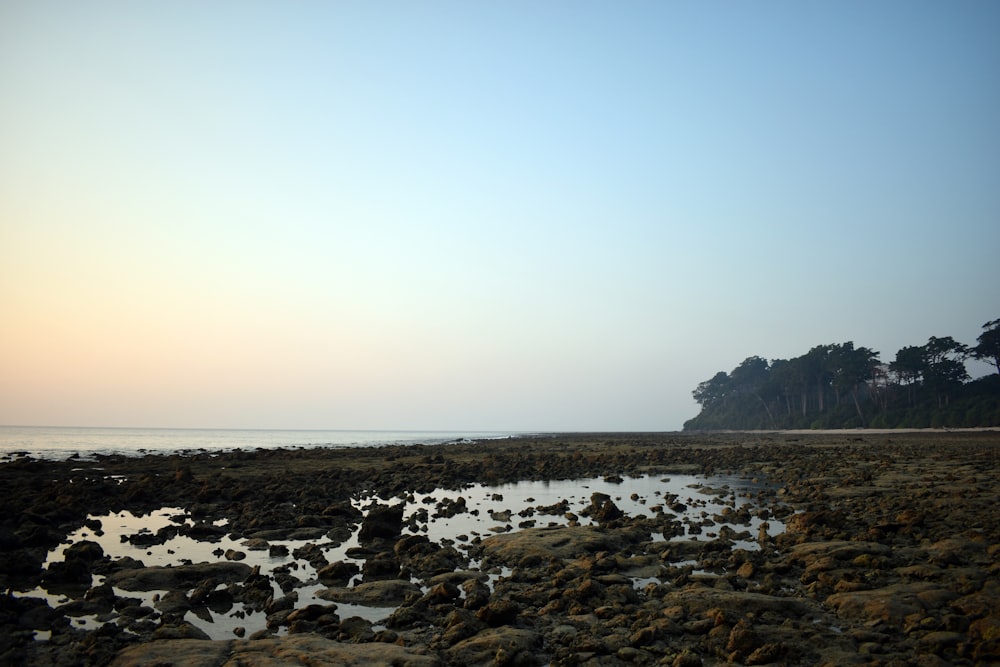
834 548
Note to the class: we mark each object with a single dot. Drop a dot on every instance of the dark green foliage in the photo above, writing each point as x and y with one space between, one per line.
843 386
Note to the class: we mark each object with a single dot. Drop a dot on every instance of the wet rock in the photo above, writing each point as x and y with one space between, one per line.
497 646
314 613
547 542
84 550
256 544
31 613
822 523
384 593
291 650
340 572
890 604
182 577
381 522
284 603
477 594
173 602
182 630
687 658
766 654
78 562
355 629
498 612
442 560
460 624
602 509
383 565
441 593
312 554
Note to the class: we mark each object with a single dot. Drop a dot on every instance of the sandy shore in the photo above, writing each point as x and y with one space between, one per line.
888 555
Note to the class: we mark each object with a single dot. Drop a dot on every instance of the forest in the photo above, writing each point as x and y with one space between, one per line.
846 386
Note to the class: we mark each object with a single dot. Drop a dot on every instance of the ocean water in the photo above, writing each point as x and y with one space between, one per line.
60 443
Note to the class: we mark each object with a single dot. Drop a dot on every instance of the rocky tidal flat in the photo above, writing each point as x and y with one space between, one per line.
846 548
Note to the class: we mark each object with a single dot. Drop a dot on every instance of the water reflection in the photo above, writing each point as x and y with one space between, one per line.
705 507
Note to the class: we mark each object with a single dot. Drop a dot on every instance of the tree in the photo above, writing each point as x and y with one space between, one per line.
749 378
909 367
783 382
712 392
798 375
944 369
988 349
817 368
852 367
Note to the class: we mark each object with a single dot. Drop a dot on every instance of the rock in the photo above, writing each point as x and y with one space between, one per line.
477 594
602 509
696 599
766 654
182 630
836 550
382 521
355 629
384 593
273 652
498 612
383 565
822 523
84 550
173 602
233 554
284 603
890 604
183 577
441 593
497 646
340 572
687 659
312 554
256 544
742 639
548 542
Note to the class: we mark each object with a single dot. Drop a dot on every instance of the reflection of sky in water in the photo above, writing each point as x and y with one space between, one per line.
650 491
634 496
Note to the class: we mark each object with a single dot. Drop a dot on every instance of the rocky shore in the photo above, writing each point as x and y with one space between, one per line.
889 554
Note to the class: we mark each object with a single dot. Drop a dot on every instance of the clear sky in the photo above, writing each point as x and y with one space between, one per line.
512 215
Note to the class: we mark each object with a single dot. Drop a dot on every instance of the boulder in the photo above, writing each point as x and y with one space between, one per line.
497 646
385 593
382 521
548 542
889 604
339 572
182 577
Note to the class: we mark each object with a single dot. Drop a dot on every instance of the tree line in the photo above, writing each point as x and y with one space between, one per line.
845 386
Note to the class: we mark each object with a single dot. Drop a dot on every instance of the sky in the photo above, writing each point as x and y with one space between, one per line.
539 216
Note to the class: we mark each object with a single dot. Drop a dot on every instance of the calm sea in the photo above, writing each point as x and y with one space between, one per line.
62 442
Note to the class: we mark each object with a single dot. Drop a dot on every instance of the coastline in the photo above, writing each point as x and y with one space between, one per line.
889 551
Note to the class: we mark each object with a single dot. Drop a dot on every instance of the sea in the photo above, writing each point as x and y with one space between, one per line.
61 443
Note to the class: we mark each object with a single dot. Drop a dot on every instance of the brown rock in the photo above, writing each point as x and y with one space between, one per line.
384 593
497 646
177 578
498 612
293 650
890 604
548 542
382 521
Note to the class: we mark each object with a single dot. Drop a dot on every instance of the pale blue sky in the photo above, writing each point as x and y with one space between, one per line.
525 216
